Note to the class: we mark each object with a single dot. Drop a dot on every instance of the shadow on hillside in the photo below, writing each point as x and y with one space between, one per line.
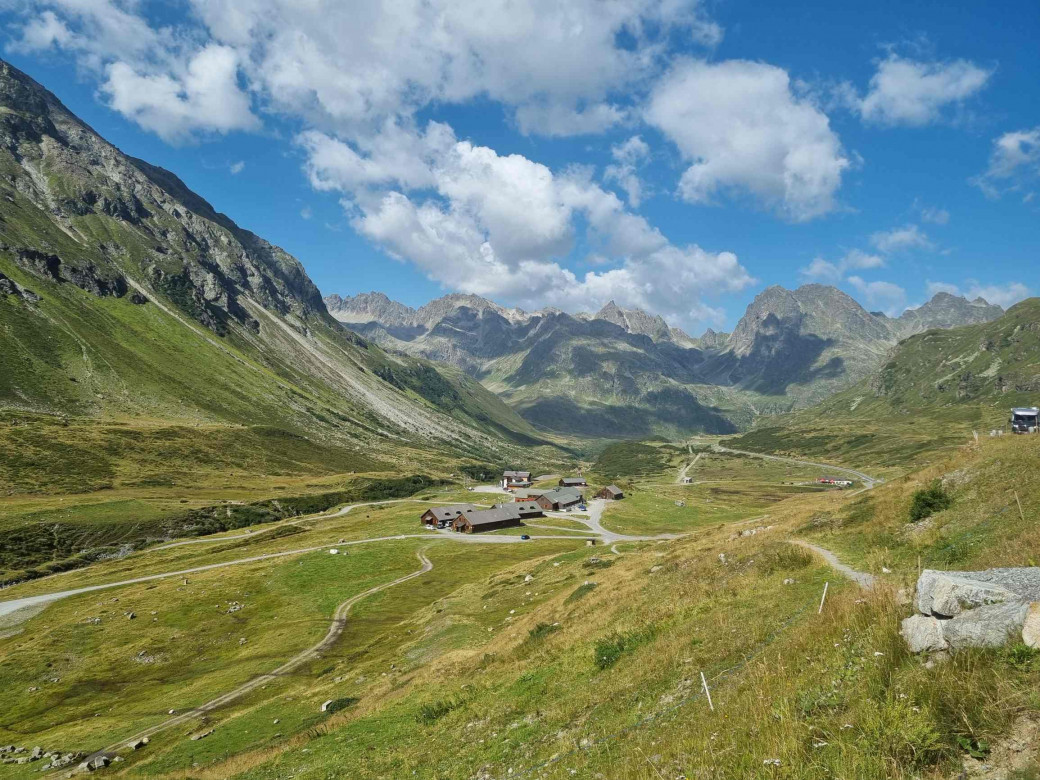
777 360
672 409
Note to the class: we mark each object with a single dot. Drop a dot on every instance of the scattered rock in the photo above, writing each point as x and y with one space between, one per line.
656 568
137 744
201 735
789 581
528 578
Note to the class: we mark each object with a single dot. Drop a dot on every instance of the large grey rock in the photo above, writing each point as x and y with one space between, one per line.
988 626
950 593
923 633
1031 627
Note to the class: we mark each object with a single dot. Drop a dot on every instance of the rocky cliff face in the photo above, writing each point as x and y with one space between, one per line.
945 311
790 349
122 292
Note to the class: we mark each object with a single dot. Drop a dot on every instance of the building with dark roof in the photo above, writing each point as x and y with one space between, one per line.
477 520
611 493
526 508
515 479
441 516
559 498
573 482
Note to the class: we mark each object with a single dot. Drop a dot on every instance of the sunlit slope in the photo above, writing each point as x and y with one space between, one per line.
124 294
933 392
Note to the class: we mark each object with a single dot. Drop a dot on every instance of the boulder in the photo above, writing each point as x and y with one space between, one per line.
948 594
1023 582
1031 627
923 633
990 626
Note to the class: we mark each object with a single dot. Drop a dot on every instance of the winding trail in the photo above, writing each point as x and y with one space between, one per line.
339 623
864 579
867 480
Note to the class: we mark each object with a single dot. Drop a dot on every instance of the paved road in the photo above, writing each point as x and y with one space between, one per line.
339 623
867 480
863 579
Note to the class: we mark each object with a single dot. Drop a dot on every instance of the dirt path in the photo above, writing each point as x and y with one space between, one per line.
868 481
339 623
686 468
864 579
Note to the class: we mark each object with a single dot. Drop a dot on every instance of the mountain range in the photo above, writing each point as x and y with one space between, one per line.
123 294
629 372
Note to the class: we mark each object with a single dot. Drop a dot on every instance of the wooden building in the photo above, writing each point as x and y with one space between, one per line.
573 482
559 498
515 479
526 508
611 493
441 516
477 520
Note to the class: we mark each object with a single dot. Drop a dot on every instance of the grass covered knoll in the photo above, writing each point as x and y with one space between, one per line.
935 389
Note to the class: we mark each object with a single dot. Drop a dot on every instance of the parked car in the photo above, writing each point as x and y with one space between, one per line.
525 537
582 507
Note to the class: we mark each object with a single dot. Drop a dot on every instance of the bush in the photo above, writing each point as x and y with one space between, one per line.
341 704
431 712
580 592
543 630
610 649
928 501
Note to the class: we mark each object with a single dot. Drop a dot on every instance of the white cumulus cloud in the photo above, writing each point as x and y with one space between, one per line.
1014 161
628 156
499 225
821 270
907 92
745 131
880 296
1005 295
898 239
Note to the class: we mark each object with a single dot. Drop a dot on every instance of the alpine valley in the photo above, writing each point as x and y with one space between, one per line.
630 373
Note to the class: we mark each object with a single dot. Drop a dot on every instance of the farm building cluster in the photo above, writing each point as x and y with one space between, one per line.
836 481
527 503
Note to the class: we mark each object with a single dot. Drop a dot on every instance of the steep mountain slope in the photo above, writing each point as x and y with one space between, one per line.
932 391
124 294
626 372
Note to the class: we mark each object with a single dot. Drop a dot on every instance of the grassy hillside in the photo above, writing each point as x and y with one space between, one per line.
561 661
932 392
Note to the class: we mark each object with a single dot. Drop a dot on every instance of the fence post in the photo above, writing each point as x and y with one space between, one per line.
823 598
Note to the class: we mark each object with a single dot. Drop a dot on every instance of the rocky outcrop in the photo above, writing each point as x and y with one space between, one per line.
988 608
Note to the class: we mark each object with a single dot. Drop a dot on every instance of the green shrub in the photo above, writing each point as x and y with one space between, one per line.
433 711
341 704
928 501
543 630
610 649
580 592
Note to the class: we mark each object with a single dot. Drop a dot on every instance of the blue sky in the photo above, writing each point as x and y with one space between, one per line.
676 156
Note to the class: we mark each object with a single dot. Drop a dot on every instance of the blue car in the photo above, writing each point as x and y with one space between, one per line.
581 507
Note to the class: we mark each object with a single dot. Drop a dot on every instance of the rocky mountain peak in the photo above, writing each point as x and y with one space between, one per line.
635 321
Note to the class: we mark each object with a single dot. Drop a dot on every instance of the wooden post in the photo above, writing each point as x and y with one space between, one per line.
1021 514
823 598
707 693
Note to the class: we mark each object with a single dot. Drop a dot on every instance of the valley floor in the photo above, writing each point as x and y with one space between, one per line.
446 655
